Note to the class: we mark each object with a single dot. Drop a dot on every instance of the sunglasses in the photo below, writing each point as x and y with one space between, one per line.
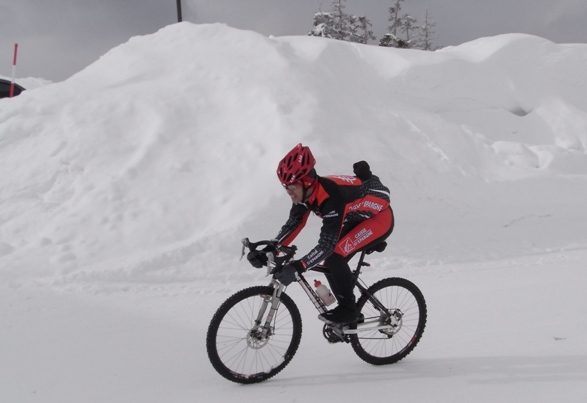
293 186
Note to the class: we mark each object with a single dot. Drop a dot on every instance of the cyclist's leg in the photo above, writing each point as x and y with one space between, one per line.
367 233
340 278
342 283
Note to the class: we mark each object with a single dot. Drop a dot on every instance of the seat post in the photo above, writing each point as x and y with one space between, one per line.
360 264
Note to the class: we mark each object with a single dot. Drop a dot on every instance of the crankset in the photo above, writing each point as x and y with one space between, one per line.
334 334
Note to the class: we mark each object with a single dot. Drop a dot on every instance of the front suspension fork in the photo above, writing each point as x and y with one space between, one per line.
270 302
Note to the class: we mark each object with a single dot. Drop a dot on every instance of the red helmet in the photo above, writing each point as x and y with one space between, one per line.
296 165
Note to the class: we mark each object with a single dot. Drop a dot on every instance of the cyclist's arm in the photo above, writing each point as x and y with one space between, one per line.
298 215
332 219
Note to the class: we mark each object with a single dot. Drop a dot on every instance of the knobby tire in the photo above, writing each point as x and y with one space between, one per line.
380 347
238 356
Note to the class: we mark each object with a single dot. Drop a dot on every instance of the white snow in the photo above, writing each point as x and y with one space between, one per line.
125 191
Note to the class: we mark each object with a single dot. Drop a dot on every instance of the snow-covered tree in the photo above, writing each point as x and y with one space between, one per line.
391 41
341 21
394 17
334 24
337 24
410 30
402 30
323 25
427 33
360 29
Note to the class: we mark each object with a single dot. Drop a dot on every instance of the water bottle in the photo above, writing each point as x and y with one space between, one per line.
324 293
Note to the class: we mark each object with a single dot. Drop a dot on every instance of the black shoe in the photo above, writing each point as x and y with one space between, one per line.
340 314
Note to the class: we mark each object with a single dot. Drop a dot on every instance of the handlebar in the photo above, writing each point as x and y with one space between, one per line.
274 263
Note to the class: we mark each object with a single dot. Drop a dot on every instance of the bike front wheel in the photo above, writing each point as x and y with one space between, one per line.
394 331
241 348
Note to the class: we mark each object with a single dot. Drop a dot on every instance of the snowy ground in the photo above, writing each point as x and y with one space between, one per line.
507 331
125 191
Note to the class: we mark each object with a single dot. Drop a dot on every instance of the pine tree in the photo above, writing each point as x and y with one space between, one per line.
427 33
396 26
403 31
360 29
323 25
341 23
394 17
391 41
410 30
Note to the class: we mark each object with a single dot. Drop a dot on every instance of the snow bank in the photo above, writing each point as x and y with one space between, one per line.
151 164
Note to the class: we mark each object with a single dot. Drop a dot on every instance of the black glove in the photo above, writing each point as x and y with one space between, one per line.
287 274
258 258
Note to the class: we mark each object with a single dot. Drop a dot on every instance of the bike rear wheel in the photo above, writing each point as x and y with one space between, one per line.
244 352
404 320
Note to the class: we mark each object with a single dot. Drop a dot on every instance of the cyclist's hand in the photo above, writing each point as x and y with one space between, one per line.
258 258
287 274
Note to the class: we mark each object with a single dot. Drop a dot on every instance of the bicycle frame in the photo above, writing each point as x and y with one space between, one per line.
369 325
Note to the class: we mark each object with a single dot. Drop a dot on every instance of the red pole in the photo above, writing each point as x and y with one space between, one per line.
13 70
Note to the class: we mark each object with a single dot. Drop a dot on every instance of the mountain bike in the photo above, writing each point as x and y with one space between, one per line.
256 332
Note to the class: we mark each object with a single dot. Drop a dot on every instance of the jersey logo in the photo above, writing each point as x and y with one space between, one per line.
347 246
344 178
332 214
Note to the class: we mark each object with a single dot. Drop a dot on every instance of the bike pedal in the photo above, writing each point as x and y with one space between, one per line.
335 341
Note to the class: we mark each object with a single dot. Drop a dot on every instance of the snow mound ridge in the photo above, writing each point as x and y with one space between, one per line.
163 152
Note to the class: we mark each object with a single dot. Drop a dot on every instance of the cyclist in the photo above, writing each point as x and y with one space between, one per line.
355 214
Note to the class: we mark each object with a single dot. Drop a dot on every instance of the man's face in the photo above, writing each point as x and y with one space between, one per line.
295 192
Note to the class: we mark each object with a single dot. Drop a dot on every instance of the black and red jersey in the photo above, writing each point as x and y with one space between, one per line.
342 202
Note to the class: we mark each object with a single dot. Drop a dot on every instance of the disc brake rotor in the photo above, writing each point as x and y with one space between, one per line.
256 340
394 320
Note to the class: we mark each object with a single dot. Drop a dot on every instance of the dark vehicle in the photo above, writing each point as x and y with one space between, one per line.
5 89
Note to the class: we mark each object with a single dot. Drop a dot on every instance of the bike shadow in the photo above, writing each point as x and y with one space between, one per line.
475 370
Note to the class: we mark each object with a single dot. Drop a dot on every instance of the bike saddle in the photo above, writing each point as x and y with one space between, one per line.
380 247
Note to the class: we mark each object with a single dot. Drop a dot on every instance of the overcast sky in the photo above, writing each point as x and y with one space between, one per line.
58 38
